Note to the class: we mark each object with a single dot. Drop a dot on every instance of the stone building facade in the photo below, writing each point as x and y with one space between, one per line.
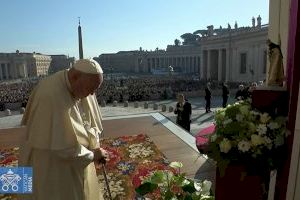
23 65
223 54
60 62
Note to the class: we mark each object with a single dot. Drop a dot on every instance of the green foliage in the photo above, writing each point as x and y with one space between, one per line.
175 186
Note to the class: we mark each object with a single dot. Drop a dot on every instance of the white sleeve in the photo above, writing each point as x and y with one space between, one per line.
78 154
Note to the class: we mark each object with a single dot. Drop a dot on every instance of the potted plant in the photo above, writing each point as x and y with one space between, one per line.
247 142
173 185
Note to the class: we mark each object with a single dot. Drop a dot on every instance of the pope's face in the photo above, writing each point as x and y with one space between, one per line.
86 84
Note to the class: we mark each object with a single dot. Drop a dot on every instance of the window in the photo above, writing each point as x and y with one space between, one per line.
243 66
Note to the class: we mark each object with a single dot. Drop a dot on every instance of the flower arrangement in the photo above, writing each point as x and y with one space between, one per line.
173 185
248 136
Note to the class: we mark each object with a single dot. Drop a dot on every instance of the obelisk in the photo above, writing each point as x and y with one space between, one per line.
80 41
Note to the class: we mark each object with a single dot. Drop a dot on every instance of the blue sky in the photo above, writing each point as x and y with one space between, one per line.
50 26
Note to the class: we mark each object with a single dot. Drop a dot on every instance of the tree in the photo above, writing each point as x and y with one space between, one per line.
201 32
189 38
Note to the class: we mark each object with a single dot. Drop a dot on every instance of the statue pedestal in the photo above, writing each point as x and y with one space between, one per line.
273 100
234 186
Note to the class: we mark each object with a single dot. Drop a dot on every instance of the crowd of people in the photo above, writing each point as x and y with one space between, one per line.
131 88
146 88
15 93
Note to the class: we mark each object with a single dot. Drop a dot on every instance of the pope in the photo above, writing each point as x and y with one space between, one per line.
63 122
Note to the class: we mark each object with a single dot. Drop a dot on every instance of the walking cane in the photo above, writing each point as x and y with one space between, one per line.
104 170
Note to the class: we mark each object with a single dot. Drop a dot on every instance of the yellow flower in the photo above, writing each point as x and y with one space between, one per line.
264 118
257 140
225 145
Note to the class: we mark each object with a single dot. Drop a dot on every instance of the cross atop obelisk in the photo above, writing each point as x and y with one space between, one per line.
80 40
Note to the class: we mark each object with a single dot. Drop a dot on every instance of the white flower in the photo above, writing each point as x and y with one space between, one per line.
254 112
273 125
206 185
176 165
213 137
244 146
256 140
261 129
264 118
198 186
225 145
138 150
239 117
279 140
267 140
244 109
237 103
227 121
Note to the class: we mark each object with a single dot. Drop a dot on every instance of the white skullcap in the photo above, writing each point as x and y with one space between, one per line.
88 66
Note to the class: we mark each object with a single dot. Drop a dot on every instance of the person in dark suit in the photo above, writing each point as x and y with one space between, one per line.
207 97
225 94
183 111
242 93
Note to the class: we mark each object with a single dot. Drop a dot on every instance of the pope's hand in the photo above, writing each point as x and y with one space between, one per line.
100 155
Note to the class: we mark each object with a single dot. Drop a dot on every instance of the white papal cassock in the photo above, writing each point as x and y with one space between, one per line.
61 131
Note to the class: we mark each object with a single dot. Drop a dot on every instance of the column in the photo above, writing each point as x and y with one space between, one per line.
11 70
24 71
251 64
202 65
220 65
198 64
151 63
1 76
167 61
208 65
258 67
191 64
187 64
17 71
6 71
227 64
235 65
260 59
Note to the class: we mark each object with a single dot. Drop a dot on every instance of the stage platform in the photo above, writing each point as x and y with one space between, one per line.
174 142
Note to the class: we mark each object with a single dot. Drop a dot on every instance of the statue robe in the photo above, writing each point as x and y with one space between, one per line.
276 69
60 137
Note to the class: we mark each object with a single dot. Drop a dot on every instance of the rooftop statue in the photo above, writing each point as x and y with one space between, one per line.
253 22
229 27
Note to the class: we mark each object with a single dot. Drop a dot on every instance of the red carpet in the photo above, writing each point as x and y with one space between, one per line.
202 137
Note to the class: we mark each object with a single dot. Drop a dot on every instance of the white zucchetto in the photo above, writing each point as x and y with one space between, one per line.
88 66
